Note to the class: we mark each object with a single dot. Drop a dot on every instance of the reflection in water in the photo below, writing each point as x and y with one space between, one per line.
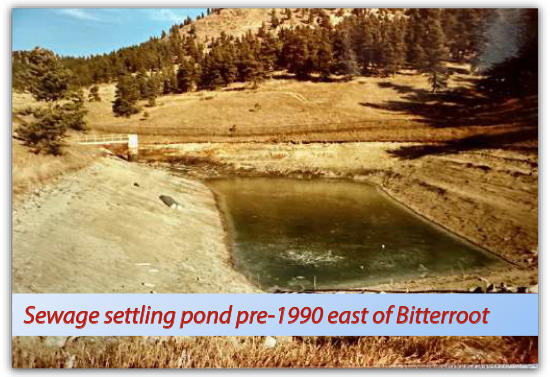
296 233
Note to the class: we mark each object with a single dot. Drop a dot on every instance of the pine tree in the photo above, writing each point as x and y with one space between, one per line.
46 133
346 61
394 48
49 79
20 70
222 69
249 66
73 111
211 75
435 51
262 31
192 49
169 82
362 41
50 82
464 30
416 34
175 44
126 96
141 80
269 51
152 90
186 76
324 56
297 53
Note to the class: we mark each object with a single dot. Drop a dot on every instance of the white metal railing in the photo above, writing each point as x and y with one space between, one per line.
102 140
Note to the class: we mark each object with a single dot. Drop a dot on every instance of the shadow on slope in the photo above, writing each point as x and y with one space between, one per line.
508 121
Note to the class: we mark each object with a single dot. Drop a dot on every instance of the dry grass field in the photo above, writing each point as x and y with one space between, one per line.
278 110
251 352
398 108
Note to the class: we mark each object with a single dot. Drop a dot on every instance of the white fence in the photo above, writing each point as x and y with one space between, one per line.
103 140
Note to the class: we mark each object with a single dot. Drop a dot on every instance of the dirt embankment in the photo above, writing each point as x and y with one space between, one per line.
488 196
103 229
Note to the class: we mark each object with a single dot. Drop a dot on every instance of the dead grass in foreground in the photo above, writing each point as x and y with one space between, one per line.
250 352
30 170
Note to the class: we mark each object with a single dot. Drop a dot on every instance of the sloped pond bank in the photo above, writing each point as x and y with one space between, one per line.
488 198
106 229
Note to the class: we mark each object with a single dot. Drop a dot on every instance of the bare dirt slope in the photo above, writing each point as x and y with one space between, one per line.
94 230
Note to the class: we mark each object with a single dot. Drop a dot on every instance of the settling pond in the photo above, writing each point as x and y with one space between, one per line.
295 234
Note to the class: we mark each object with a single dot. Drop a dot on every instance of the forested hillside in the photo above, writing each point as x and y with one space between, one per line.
301 41
317 45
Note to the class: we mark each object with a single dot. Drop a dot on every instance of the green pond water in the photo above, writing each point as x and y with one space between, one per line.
290 233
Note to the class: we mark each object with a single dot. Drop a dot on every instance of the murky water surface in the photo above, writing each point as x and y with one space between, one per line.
294 233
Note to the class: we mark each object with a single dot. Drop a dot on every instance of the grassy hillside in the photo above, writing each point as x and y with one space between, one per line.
398 108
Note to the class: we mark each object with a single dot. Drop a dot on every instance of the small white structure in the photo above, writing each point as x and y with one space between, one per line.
133 145
131 140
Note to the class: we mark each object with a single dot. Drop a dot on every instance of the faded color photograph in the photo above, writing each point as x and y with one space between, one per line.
281 150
